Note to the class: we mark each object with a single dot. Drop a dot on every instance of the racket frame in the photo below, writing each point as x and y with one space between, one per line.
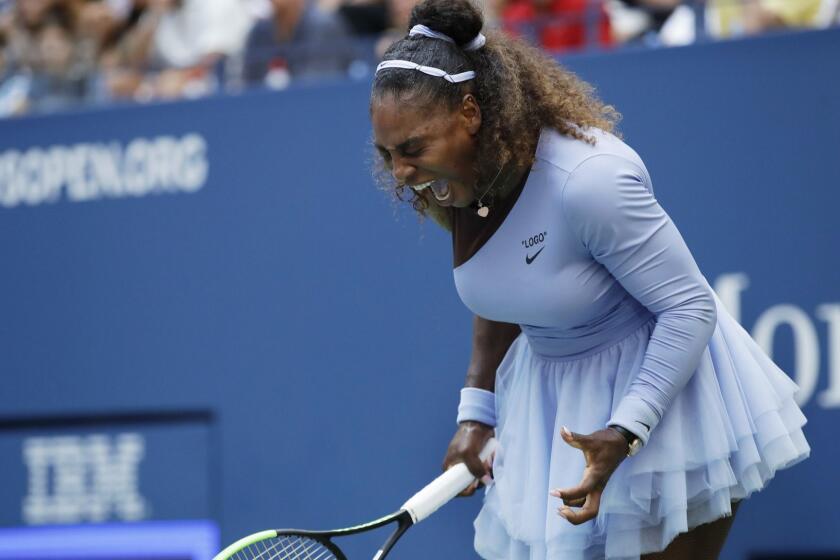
417 508
402 517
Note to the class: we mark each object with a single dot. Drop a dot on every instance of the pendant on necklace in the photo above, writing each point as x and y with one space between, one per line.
483 211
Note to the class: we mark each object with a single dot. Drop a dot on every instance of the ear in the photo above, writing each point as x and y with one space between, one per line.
470 114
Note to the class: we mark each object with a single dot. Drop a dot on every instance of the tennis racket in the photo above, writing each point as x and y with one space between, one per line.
294 544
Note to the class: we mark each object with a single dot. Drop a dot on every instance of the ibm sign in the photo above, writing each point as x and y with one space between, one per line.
74 479
110 469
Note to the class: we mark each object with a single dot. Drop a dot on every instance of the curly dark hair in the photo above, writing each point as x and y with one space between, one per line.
520 91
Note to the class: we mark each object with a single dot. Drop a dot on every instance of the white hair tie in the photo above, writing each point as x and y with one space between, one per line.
431 71
477 42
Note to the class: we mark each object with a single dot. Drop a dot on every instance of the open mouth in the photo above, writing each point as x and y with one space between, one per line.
440 189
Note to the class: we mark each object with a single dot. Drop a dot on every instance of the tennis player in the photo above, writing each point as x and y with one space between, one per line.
633 412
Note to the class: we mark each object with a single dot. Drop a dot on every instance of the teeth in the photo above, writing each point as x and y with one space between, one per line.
422 186
440 189
443 194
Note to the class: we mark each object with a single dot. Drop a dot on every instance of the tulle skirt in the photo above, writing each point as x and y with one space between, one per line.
726 434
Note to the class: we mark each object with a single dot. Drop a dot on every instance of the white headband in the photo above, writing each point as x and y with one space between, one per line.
431 71
475 44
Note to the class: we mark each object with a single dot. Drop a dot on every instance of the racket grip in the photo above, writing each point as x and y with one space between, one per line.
445 487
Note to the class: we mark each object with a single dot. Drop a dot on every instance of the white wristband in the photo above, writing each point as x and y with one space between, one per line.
477 405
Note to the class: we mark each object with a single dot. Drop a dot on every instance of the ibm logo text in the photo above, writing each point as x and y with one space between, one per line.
75 479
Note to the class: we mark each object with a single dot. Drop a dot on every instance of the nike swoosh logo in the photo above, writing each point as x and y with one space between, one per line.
529 260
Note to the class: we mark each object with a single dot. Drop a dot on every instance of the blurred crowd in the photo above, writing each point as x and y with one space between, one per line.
58 54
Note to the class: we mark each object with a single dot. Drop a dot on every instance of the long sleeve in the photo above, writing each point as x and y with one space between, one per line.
608 203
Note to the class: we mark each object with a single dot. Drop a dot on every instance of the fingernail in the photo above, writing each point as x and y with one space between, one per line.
566 431
486 479
556 492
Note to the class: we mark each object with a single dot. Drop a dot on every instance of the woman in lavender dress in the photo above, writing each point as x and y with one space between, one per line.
633 412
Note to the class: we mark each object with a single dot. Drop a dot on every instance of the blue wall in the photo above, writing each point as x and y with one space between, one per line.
289 344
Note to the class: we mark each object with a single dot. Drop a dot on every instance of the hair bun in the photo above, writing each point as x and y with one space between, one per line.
460 19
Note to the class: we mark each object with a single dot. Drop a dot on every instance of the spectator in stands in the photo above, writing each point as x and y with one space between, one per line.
59 53
186 41
188 33
656 22
399 13
27 18
365 18
58 76
97 22
44 68
14 87
732 18
381 22
641 20
558 25
116 77
297 40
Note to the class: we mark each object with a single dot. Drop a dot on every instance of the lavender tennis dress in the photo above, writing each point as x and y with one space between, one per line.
618 327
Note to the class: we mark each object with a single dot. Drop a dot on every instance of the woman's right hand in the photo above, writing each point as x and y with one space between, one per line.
465 447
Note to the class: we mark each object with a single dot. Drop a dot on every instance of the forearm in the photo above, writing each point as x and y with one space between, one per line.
491 340
673 354
476 412
609 202
137 46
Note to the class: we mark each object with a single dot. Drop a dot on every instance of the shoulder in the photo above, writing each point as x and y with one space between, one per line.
608 189
599 183
574 156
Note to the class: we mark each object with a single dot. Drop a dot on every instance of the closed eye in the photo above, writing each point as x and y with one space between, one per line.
386 157
414 154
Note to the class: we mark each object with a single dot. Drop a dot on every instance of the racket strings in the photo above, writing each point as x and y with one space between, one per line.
285 547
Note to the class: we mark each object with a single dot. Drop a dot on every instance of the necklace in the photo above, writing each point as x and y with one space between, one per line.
484 211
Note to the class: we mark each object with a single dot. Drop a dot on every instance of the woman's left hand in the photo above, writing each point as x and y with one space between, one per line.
603 450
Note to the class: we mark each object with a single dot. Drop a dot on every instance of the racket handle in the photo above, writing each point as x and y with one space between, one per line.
445 487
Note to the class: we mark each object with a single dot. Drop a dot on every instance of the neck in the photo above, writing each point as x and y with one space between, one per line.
504 183
512 179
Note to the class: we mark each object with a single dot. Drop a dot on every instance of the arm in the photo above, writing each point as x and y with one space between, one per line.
608 204
138 44
491 341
